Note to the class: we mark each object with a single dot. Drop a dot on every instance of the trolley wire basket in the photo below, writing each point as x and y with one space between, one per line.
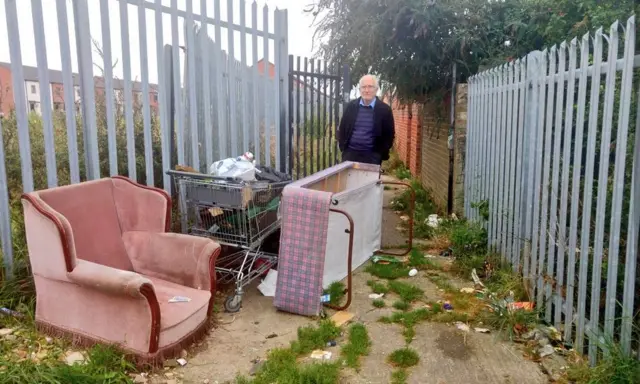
235 213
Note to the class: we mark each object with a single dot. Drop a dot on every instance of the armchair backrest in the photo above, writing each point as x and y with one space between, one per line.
90 209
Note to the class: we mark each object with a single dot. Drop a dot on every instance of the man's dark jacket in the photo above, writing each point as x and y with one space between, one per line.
383 127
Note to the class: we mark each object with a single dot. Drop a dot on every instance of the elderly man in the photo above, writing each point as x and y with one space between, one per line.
367 129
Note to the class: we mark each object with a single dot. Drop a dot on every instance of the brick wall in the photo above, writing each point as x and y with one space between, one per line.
422 143
408 135
435 152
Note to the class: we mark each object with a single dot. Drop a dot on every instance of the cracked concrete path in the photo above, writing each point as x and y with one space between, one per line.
446 356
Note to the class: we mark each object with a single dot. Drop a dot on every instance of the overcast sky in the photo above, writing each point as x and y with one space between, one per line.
300 31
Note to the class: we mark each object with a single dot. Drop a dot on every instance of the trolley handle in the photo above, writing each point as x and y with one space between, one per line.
202 176
350 231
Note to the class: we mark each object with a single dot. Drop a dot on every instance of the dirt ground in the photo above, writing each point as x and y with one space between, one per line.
446 355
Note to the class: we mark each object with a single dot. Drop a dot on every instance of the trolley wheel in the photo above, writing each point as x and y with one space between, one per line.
233 303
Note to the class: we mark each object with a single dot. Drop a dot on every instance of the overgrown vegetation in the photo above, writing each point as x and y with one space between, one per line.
358 345
336 292
282 364
411 44
404 358
102 365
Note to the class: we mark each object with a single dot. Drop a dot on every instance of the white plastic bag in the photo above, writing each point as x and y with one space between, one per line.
241 167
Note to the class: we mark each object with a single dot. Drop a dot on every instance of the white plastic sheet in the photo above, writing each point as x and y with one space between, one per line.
364 204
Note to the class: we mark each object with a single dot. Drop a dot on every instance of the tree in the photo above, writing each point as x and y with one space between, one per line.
412 44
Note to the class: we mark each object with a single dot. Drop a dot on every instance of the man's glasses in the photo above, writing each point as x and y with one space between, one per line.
367 87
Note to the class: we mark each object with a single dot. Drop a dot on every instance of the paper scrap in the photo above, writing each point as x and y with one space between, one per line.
182 362
341 318
268 286
462 327
467 290
376 296
321 355
179 299
482 330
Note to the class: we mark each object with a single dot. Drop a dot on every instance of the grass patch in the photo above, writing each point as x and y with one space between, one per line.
407 292
104 365
404 358
418 260
401 305
390 271
336 292
442 282
399 376
358 345
378 287
378 303
617 368
409 319
310 337
507 321
282 367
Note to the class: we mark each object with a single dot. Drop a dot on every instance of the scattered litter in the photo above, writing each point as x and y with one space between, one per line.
385 259
10 312
527 306
454 217
376 296
325 298
552 333
476 279
48 339
140 379
332 343
462 327
182 362
179 299
321 355
427 306
468 290
6 331
74 357
547 350
257 366
268 286
447 306
433 221
341 318
184 353
272 336
430 256
482 330
413 272
404 218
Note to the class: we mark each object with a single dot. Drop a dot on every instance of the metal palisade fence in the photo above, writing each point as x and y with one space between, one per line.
221 90
553 171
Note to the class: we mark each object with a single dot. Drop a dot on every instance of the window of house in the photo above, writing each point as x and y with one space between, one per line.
33 89
155 97
32 105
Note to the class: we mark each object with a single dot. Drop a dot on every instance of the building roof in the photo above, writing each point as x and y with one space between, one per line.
55 77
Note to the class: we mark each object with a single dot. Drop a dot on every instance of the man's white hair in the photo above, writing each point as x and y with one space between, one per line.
375 80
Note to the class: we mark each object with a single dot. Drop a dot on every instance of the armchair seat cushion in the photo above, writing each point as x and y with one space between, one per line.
177 319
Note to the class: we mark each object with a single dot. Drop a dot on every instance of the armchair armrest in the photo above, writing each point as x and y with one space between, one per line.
110 280
119 282
181 259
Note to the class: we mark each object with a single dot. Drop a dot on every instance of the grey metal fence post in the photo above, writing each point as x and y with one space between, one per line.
85 64
531 126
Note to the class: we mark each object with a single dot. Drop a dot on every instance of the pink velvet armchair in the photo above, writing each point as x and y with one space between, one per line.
105 267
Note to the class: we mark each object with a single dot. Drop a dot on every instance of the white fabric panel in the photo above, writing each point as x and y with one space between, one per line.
364 204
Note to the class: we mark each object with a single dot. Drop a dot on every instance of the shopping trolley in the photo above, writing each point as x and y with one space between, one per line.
235 213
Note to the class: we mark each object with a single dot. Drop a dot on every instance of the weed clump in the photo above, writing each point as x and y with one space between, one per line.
358 345
404 358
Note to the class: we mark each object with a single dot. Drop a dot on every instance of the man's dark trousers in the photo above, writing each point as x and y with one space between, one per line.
362 157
